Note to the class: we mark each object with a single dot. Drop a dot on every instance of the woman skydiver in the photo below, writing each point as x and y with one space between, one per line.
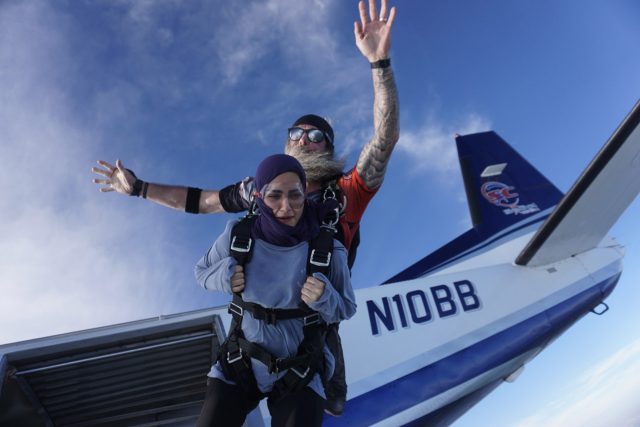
276 346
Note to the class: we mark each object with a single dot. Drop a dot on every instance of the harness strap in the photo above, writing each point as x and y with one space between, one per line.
275 364
270 315
312 362
241 246
320 251
235 364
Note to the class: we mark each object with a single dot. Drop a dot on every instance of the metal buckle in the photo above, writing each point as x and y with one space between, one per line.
273 366
239 311
270 316
331 223
301 374
329 194
319 263
315 318
235 359
244 249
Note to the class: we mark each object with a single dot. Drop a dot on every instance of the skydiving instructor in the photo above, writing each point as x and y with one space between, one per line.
310 139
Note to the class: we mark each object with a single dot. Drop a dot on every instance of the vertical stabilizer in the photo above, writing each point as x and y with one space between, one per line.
502 187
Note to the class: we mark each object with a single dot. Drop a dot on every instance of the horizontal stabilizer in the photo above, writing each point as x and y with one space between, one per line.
594 203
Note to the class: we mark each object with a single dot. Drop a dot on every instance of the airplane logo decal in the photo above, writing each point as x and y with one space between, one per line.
504 196
500 194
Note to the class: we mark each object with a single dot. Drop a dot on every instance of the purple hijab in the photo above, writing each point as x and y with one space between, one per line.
267 227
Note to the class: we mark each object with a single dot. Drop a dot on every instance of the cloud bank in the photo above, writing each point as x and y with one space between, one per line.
69 259
605 395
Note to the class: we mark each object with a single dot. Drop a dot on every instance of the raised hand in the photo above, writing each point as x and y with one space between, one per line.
373 33
117 177
237 279
312 289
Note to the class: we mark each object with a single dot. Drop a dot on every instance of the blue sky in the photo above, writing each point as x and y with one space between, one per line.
199 92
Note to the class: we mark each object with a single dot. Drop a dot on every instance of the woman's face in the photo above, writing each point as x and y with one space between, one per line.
285 196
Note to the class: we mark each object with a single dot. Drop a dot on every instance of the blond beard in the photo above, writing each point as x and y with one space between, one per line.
319 167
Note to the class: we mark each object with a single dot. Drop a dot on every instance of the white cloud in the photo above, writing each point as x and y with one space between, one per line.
70 258
605 395
432 148
251 31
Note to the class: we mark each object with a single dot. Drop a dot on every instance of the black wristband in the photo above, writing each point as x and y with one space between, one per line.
137 187
383 63
193 200
145 187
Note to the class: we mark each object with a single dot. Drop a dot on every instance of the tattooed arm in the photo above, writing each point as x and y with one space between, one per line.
373 38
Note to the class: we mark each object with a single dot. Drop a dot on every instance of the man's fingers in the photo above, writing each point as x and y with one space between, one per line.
238 268
119 167
383 10
363 13
357 30
392 15
373 10
106 189
101 181
105 164
100 171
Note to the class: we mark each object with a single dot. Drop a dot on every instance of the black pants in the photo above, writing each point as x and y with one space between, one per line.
227 405
336 388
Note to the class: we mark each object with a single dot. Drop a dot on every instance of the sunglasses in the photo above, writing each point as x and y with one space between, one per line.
313 135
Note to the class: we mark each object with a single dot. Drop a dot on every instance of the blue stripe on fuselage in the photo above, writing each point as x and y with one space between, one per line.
467 244
432 380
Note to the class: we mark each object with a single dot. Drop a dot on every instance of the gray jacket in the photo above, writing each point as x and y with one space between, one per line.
274 279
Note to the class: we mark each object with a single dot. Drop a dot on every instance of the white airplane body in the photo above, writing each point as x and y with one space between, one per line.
437 337
416 360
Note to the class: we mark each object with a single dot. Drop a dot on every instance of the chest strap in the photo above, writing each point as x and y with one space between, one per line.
238 306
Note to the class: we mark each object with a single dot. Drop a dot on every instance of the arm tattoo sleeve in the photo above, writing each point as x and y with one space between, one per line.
373 160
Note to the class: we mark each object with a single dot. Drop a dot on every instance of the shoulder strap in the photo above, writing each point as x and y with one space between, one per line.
321 247
241 243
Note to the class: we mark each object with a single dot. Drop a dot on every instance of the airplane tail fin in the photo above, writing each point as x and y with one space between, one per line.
502 187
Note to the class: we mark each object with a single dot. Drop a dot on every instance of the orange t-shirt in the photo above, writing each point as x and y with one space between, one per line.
357 196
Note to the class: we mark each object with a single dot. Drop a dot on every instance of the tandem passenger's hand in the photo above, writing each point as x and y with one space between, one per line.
312 289
237 279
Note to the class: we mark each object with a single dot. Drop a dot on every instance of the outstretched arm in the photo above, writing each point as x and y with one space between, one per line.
373 38
119 179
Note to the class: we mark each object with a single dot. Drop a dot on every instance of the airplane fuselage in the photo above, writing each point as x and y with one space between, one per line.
419 345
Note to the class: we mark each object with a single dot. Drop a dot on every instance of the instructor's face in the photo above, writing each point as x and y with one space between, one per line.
306 143
285 196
